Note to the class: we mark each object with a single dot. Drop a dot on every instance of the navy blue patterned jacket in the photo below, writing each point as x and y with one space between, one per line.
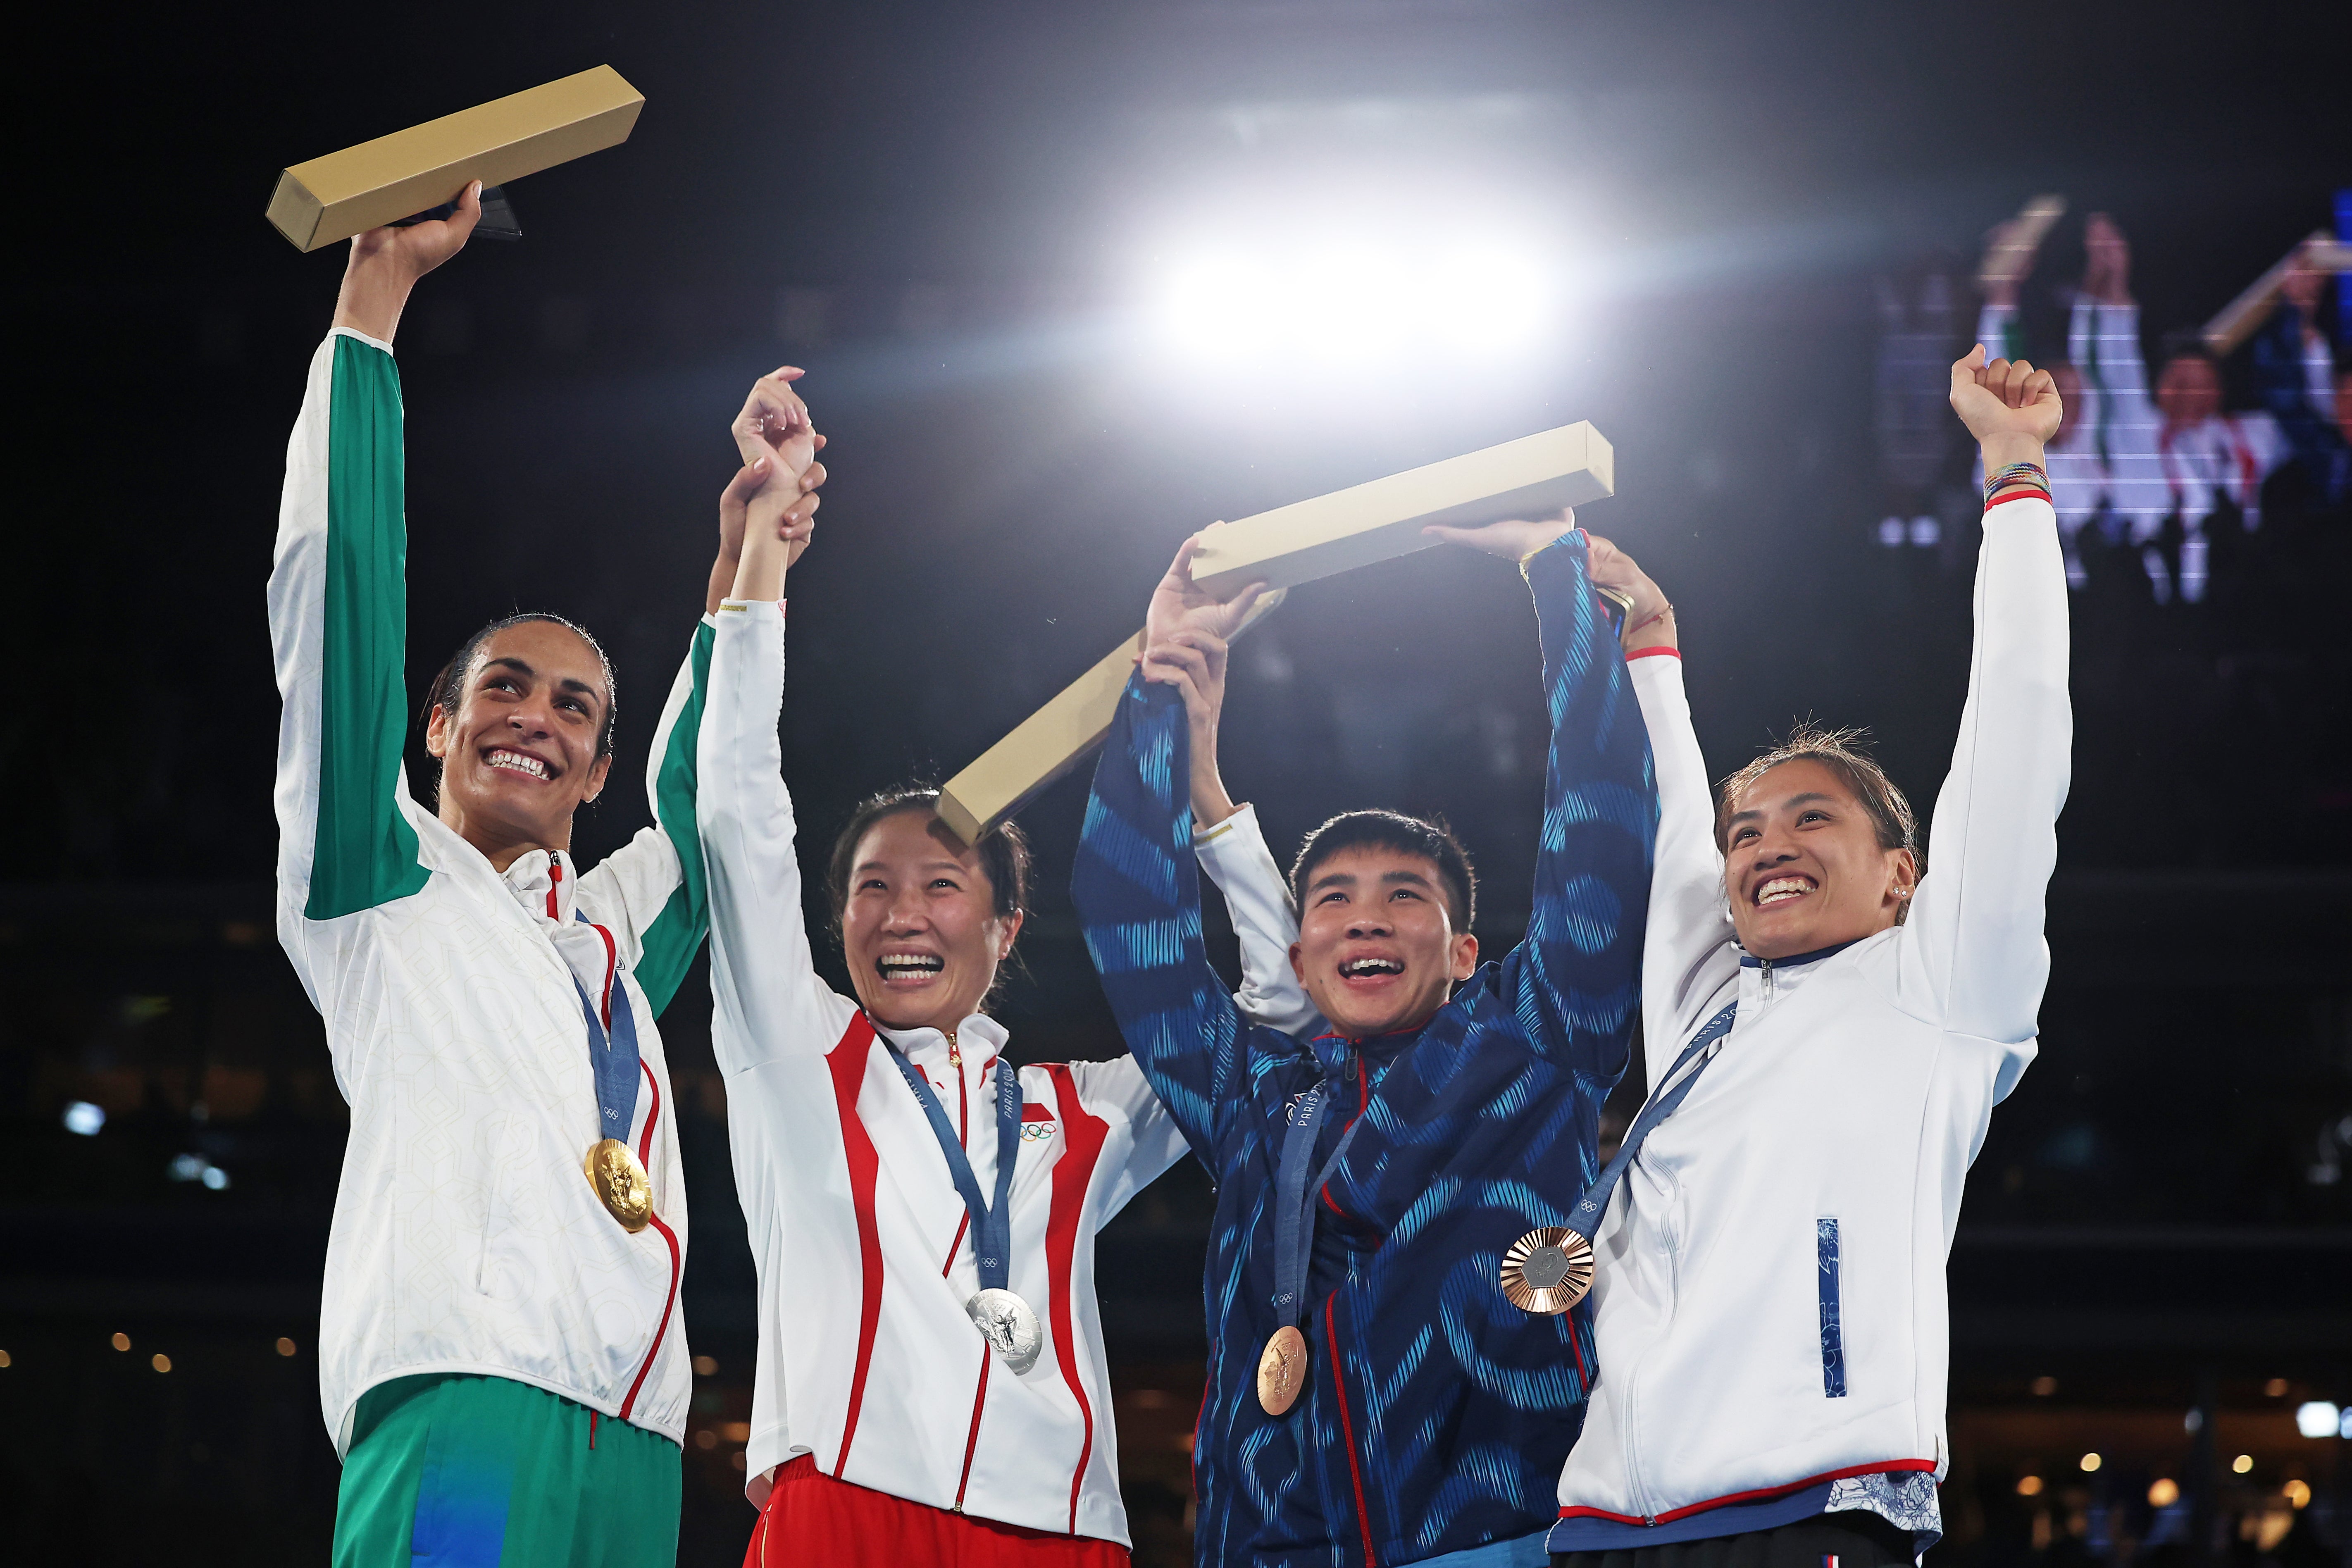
1436 1416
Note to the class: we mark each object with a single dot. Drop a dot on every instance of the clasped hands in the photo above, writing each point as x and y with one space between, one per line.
774 493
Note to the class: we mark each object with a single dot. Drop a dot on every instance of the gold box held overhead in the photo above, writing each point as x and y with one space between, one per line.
2244 316
369 185
1533 476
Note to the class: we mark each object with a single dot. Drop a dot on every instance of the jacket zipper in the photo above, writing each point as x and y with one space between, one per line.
1635 1485
677 1262
1632 1447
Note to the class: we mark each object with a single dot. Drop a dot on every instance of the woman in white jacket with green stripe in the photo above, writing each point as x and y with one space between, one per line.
501 1362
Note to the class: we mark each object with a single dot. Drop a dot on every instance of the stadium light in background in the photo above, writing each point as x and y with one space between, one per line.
84 1119
197 1168
2318 1418
1339 304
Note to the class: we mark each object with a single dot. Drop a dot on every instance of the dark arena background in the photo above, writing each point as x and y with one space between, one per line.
1071 281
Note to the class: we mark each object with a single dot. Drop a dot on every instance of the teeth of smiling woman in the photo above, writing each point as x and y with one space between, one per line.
906 966
1781 888
1371 966
519 764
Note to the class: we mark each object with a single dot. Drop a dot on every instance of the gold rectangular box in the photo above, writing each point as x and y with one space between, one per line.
367 187
1535 476
1532 477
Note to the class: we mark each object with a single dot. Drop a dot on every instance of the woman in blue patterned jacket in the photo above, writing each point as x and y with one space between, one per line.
1372 1396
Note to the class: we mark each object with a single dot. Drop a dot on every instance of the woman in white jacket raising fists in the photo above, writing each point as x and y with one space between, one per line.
1830 1020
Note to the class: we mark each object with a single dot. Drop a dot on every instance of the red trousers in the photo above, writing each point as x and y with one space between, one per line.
814 1520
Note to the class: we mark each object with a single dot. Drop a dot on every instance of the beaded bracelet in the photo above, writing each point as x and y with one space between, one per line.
2016 473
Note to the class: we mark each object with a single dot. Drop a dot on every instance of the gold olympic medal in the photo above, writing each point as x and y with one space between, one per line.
1548 1270
620 1184
1281 1370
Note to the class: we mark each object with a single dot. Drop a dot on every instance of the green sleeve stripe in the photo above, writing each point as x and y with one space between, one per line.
668 948
365 852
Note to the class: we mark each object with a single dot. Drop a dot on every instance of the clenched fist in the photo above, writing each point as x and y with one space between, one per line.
2005 400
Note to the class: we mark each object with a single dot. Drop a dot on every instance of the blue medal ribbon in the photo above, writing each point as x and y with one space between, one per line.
992 1226
613 1058
1585 1218
1294 1200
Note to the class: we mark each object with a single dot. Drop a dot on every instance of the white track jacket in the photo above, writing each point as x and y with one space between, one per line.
466 1237
867 1359
1770 1301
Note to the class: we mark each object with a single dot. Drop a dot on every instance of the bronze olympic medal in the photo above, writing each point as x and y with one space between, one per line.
1281 1370
1006 1322
1548 1270
620 1184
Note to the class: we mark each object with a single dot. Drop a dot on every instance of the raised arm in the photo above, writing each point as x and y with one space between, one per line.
1583 946
1234 854
339 594
1688 952
2009 255
1138 892
2125 427
768 1000
1136 882
1973 959
1231 846
2293 374
1579 970
651 893
654 890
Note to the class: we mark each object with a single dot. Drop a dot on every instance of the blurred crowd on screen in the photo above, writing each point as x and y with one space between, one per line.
2203 485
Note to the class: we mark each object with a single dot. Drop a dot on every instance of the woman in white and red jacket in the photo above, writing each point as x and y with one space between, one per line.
1770 1291
930 1387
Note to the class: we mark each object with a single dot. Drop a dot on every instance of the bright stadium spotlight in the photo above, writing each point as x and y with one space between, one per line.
1349 303
1218 307
1343 301
85 1118
2317 1419
1487 297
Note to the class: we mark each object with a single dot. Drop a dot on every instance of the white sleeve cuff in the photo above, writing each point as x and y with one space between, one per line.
1244 821
362 337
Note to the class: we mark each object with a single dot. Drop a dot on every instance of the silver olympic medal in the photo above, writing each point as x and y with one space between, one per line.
1006 1322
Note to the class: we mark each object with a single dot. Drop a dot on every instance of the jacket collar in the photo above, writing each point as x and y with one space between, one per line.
980 1039
546 883
1748 961
1333 1052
